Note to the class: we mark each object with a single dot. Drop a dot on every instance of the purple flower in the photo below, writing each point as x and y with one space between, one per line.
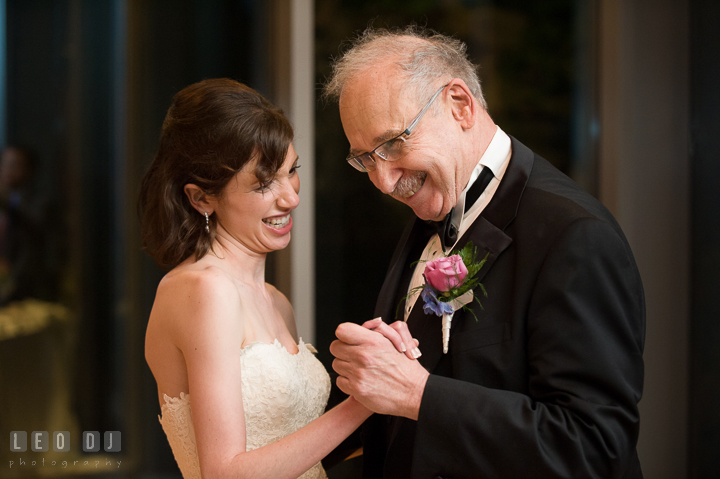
432 304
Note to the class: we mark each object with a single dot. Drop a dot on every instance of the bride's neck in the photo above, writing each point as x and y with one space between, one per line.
242 262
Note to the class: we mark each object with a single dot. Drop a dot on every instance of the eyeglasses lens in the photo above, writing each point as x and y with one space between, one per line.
363 162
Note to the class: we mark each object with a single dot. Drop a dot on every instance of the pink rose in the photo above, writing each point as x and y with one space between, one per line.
445 273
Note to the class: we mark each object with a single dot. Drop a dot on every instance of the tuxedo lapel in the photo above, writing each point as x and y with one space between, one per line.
488 231
387 299
488 236
427 329
503 207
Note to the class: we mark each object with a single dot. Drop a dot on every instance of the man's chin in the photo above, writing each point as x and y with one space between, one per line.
423 205
428 215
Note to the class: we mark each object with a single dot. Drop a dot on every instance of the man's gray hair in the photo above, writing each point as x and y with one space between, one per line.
422 55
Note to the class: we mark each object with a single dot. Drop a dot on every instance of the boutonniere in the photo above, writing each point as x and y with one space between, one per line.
449 284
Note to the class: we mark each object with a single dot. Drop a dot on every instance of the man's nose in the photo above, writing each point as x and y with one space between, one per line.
385 176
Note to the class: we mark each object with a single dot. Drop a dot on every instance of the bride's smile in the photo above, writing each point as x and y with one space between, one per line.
255 216
279 223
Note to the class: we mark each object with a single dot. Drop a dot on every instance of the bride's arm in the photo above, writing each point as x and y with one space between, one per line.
294 454
209 336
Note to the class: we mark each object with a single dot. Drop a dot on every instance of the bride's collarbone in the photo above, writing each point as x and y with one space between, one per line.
263 322
257 302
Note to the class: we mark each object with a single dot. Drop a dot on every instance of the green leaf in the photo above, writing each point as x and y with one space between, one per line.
478 302
465 308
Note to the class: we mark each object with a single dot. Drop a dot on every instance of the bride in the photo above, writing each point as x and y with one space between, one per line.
241 395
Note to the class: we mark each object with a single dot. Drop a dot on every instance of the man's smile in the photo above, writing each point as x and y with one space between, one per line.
410 184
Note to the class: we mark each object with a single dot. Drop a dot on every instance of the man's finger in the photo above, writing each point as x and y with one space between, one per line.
340 350
343 384
340 366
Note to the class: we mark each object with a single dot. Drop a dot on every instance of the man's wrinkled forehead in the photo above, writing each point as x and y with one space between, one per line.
370 87
374 104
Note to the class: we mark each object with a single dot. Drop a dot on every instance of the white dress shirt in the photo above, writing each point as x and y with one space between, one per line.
496 158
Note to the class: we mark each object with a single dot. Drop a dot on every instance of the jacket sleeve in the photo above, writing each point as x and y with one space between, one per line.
584 336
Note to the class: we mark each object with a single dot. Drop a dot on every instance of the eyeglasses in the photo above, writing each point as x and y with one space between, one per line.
391 149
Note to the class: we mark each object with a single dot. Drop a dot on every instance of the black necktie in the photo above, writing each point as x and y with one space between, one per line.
445 229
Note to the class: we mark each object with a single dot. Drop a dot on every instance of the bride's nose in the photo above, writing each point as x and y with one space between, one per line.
288 196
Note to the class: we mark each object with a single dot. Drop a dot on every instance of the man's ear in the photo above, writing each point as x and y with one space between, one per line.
198 199
463 104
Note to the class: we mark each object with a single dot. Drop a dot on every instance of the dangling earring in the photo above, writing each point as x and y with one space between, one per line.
207 222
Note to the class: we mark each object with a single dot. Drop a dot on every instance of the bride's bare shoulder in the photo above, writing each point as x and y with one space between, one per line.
196 307
196 290
194 278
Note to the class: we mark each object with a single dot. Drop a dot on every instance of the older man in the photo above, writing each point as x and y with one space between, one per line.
545 381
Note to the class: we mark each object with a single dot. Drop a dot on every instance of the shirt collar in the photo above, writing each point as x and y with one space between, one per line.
495 156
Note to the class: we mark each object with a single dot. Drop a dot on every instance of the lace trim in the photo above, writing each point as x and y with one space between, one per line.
175 402
308 347
176 421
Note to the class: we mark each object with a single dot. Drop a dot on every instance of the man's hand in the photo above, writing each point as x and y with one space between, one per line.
373 372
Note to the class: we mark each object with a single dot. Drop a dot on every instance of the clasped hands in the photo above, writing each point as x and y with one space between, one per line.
377 366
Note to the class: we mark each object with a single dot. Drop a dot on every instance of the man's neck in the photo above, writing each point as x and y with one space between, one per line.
482 133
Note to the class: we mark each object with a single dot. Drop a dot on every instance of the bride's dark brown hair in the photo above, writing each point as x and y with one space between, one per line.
212 130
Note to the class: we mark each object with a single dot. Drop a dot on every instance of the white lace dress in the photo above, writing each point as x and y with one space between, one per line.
281 393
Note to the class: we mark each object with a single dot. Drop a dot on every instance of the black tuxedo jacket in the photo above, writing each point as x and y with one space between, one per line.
546 382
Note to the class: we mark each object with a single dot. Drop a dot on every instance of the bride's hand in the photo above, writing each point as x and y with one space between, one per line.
398 334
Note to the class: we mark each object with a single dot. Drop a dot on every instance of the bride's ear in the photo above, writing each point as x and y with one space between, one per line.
198 199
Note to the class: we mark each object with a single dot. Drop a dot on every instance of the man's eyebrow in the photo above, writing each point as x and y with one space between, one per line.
379 140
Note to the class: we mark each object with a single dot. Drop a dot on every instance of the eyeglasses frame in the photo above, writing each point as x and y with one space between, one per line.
357 160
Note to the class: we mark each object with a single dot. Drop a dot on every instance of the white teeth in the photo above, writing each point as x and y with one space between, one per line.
277 222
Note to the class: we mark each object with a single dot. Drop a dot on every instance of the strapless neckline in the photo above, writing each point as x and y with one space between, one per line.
276 343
